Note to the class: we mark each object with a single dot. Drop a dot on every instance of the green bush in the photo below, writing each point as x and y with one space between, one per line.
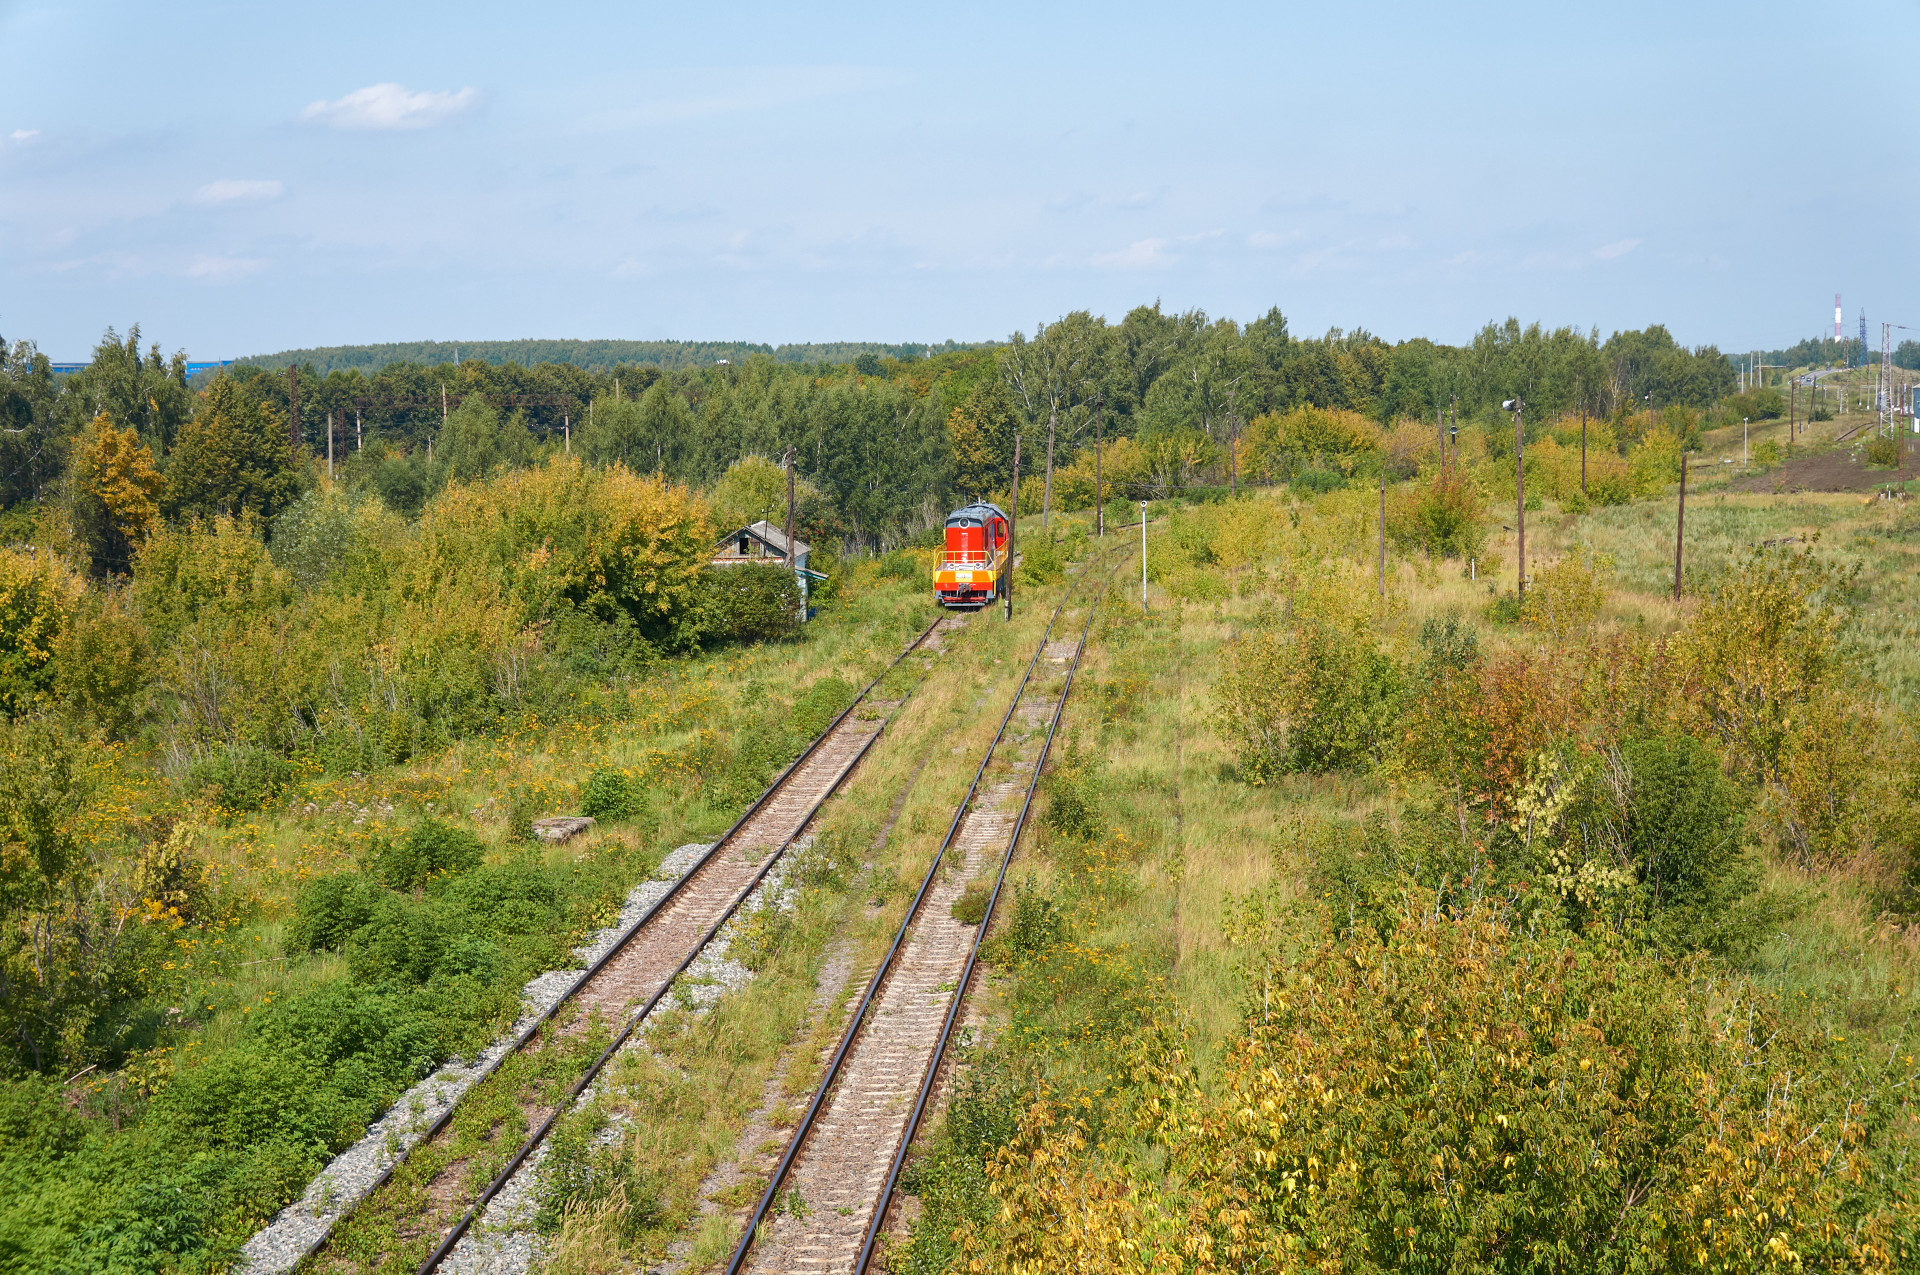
748 603
240 777
609 795
1759 405
1316 482
401 941
1685 829
430 848
1883 452
1037 925
1039 561
329 909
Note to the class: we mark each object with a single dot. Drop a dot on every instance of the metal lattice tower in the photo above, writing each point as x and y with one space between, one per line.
1863 338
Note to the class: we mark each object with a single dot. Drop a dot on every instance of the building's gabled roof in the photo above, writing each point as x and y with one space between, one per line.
769 535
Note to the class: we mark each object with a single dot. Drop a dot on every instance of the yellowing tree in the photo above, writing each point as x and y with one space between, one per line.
116 495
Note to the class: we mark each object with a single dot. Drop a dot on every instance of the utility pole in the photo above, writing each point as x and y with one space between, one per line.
443 405
329 446
293 407
1099 498
1046 490
566 430
1680 526
1743 443
1583 447
1143 555
1515 406
358 437
789 463
1013 524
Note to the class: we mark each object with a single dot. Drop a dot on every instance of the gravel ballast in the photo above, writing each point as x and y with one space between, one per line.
275 1248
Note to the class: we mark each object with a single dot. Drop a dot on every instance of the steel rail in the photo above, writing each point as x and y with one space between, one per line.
637 1020
973 957
586 976
772 1190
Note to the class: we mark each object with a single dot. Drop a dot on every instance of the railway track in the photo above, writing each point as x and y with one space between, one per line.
625 985
843 1160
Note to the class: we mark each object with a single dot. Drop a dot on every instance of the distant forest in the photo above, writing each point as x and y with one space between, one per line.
890 436
672 356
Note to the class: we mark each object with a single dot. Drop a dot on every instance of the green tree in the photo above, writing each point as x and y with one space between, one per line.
232 458
477 441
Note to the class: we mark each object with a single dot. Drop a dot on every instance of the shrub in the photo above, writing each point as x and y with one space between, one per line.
1883 452
748 602
429 849
401 940
1605 1112
1565 598
240 777
1071 801
37 595
329 909
1444 518
1039 560
1319 698
1316 482
1685 828
1037 924
609 794
1763 404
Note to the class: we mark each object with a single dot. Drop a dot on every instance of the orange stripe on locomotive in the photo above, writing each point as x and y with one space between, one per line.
973 566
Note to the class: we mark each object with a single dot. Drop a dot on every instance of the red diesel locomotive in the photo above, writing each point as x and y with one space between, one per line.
972 570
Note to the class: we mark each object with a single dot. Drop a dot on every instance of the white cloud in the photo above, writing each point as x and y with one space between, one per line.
231 189
1269 239
224 269
1205 234
23 134
1618 248
389 106
1138 255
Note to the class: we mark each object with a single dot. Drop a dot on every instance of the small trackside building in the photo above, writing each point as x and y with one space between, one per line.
764 543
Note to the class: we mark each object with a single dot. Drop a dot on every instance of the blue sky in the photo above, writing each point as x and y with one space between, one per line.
245 178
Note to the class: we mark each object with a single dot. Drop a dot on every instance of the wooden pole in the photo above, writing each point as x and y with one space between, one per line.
329 446
1680 526
1013 524
1046 491
790 558
1099 496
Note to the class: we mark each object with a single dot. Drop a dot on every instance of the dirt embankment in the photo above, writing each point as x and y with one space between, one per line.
1836 470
